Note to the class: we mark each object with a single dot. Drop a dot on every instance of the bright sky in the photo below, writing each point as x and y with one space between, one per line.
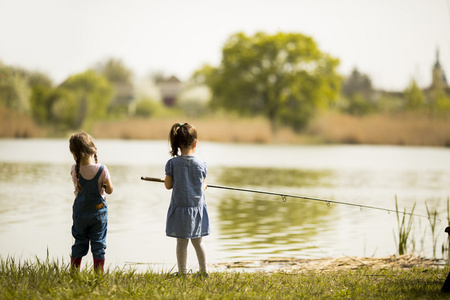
393 41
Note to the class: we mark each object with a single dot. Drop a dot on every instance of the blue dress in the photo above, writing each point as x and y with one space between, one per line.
187 216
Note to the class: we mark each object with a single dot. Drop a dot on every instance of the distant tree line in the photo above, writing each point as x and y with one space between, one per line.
104 91
286 78
283 77
359 97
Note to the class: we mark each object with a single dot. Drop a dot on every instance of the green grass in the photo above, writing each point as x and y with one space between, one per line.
53 280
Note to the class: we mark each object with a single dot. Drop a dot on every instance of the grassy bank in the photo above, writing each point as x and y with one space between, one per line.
53 280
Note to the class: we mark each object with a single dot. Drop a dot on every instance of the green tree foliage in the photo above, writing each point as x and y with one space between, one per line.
438 100
443 104
41 97
76 103
358 82
284 77
64 112
358 105
120 78
414 97
41 103
39 79
358 94
82 99
146 108
14 89
390 102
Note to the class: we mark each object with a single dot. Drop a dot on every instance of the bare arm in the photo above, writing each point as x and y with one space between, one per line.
168 182
107 185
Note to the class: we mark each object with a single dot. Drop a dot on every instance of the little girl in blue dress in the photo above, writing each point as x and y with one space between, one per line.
187 217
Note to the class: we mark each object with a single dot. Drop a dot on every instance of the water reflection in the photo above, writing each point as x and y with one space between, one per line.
274 177
265 223
29 192
36 197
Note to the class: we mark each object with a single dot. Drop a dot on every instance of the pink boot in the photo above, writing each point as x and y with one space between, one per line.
98 265
75 263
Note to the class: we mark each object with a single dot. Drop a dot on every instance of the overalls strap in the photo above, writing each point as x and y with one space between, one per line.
89 198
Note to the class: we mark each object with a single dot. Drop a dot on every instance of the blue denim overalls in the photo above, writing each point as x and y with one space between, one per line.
90 219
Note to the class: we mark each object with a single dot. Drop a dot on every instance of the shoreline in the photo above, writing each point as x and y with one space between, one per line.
293 265
298 265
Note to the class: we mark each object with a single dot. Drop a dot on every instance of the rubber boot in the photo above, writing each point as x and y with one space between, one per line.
98 265
75 263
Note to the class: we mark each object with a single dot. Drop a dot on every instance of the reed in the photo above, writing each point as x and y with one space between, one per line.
393 129
214 129
328 127
15 124
400 129
404 228
432 218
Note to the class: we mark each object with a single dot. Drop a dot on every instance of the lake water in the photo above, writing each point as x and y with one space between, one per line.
36 197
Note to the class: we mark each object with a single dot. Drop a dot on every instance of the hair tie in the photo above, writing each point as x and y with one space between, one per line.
181 124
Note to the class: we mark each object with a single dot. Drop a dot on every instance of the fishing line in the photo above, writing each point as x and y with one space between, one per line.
285 196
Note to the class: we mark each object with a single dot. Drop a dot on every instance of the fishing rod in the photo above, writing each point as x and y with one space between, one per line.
285 196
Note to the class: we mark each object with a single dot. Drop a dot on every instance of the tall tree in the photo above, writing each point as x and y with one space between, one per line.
414 97
284 77
87 96
41 99
120 78
14 89
358 94
358 83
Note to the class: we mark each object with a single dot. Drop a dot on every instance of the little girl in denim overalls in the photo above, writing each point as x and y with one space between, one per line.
90 212
187 216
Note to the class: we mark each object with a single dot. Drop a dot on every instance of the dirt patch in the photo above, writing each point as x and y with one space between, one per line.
331 264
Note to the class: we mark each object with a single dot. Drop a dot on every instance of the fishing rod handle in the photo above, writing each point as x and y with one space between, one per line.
152 179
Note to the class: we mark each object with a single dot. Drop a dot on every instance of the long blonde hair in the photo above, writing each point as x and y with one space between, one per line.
81 145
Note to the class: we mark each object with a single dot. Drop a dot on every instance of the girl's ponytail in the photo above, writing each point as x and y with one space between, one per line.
173 139
181 136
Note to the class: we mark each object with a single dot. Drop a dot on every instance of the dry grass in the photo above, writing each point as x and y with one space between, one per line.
404 129
17 125
149 129
228 130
